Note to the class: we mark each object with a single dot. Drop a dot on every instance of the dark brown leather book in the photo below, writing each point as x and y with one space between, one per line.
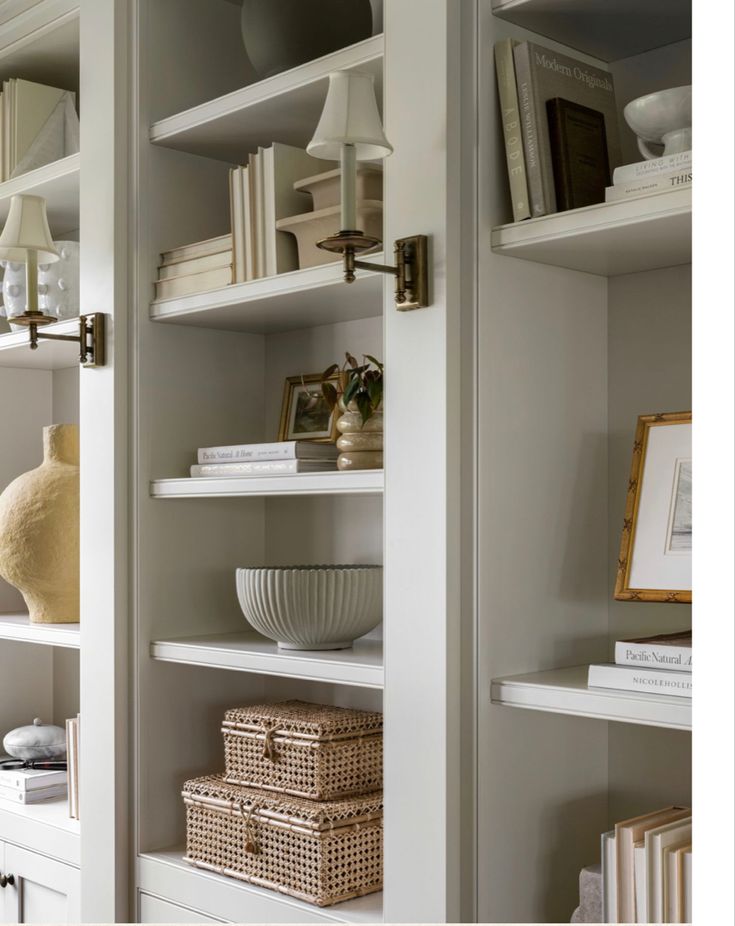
578 154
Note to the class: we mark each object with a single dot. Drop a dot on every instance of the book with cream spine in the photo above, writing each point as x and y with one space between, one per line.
272 468
277 450
660 183
664 651
649 681
511 119
669 163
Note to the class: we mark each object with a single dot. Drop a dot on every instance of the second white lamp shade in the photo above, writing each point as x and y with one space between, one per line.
26 229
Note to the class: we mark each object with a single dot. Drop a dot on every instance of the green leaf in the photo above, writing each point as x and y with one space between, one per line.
351 390
351 360
375 363
330 394
375 392
330 371
364 406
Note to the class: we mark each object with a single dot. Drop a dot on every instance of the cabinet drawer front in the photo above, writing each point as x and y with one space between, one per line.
45 890
156 910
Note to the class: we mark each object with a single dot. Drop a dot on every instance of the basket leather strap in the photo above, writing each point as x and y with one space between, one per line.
269 747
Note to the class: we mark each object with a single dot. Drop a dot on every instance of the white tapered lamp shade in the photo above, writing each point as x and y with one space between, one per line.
350 117
350 130
26 229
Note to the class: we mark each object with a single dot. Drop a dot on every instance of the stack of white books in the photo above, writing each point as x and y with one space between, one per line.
660 175
261 193
660 665
30 785
280 458
647 868
195 268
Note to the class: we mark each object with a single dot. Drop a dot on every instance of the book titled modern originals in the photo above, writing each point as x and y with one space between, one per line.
543 75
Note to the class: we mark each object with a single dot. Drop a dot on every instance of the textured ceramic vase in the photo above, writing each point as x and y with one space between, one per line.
39 530
281 34
360 445
58 283
662 118
312 607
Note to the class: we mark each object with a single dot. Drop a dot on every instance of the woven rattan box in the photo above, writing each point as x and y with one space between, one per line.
309 750
321 852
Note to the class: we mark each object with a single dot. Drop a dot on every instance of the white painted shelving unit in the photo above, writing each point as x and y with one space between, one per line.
360 665
15 351
368 482
301 299
58 183
565 691
634 236
18 627
226 897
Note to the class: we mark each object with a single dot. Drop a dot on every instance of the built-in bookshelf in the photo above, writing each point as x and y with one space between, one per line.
367 482
19 627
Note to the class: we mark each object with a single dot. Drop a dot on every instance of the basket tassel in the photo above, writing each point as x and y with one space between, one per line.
269 747
251 842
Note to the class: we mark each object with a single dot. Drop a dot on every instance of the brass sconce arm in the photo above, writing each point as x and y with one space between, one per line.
411 269
91 337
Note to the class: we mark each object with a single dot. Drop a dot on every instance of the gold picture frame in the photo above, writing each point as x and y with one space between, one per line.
677 483
301 422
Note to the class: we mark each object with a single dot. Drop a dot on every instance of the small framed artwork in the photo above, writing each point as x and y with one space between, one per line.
655 562
305 414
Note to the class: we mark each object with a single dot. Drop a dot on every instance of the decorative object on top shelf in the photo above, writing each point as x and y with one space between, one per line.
281 34
662 118
358 394
41 124
36 741
321 852
305 411
312 607
350 130
315 751
39 530
655 561
58 284
26 239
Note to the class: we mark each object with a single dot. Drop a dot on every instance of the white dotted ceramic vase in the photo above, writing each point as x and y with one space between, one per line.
312 607
58 284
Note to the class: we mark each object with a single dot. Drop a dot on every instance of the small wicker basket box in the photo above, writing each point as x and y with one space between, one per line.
322 853
308 750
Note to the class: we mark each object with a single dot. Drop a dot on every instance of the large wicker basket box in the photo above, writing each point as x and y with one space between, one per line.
308 750
321 852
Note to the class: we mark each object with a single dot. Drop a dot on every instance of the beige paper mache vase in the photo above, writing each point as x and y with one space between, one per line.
39 530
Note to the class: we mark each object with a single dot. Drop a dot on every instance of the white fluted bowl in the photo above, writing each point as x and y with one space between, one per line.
312 607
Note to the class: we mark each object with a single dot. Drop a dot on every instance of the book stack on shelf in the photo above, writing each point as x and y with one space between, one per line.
560 128
38 125
72 765
647 868
659 175
660 665
195 268
280 458
31 785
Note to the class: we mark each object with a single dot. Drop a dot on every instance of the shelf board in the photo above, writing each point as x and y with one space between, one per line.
599 28
363 482
45 827
58 183
283 108
166 874
644 233
300 299
565 691
41 42
15 350
18 627
362 665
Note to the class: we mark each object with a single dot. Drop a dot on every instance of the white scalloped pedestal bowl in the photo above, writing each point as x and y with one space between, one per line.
312 607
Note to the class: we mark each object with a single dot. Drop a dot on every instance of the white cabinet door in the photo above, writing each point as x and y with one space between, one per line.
156 910
42 889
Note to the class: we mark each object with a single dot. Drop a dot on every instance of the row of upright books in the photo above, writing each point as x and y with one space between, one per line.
273 459
660 665
647 868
